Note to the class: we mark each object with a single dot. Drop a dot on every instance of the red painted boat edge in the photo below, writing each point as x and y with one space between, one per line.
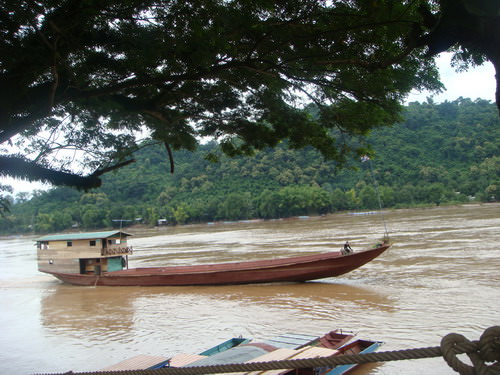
293 269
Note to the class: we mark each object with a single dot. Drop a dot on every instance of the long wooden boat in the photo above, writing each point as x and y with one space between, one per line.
108 265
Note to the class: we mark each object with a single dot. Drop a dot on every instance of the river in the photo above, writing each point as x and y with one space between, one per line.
442 275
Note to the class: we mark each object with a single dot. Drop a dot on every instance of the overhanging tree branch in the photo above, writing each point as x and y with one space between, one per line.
20 168
222 69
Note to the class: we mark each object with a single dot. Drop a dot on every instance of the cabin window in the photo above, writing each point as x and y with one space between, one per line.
92 242
114 242
44 245
69 243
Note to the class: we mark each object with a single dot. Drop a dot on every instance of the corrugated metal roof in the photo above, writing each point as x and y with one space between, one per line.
81 236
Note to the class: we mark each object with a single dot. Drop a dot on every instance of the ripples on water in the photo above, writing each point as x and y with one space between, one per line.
440 276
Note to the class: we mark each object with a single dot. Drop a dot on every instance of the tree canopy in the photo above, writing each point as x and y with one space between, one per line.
95 76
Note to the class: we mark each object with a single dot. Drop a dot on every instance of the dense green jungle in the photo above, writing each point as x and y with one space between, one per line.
443 153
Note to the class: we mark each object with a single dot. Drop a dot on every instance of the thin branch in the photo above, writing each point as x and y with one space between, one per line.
171 157
100 172
55 82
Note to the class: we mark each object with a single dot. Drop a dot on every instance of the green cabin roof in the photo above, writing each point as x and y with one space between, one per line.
82 236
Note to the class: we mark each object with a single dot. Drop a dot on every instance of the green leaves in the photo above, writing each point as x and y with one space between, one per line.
238 72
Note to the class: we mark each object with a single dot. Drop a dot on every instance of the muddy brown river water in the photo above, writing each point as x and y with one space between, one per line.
442 275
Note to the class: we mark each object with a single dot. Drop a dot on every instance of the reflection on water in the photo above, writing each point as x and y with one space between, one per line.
440 276
77 311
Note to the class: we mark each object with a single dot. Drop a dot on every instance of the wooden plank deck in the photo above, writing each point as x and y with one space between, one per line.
183 359
285 353
139 362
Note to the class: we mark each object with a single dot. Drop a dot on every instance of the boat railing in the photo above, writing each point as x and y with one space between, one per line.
117 250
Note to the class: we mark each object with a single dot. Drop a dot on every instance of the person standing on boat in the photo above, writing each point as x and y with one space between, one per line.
347 248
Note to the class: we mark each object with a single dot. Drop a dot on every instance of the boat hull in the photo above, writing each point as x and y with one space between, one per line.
295 269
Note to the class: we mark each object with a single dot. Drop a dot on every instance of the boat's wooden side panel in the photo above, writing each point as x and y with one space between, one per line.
50 264
57 264
74 248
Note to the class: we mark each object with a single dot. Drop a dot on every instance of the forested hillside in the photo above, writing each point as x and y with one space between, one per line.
440 153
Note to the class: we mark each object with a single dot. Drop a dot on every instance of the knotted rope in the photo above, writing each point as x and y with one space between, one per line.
486 349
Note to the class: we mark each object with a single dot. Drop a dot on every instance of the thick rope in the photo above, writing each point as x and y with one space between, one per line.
487 349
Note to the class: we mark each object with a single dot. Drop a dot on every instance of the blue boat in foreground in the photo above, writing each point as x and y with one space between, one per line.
284 347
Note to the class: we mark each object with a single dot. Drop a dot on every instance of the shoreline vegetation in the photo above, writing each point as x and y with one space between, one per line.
142 227
440 154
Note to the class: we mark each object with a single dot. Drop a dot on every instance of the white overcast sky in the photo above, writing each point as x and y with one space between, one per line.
476 83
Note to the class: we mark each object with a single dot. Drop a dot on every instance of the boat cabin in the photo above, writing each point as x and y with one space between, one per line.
83 253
